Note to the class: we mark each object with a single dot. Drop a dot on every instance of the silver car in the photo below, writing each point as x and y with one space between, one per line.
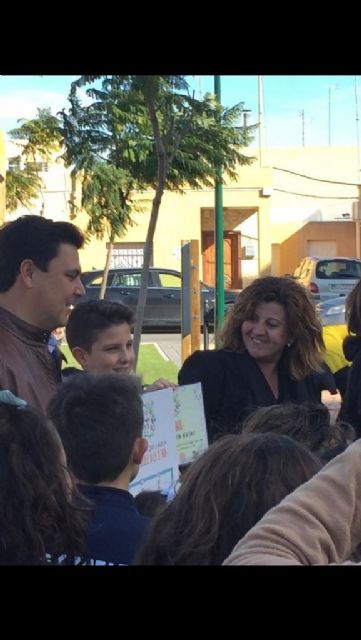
332 311
328 277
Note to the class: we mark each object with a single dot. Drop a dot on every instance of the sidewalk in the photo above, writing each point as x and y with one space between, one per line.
172 347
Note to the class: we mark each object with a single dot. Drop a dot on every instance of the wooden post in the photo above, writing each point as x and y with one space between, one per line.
191 305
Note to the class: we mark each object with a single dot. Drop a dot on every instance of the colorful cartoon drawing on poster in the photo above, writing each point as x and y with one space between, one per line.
190 423
159 468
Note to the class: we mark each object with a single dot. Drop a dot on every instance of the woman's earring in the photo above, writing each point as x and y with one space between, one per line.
289 344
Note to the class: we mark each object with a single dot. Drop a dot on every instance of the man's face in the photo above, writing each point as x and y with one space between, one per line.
56 289
112 352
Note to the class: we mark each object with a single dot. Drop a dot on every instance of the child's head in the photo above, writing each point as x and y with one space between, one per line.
99 336
308 423
36 514
150 502
100 422
223 494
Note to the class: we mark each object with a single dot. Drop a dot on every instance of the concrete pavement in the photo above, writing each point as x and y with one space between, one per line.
170 344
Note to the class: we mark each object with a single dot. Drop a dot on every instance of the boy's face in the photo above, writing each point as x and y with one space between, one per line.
112 352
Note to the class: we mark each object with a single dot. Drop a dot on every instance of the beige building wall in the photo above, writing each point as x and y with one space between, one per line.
342 234
53 200
180 218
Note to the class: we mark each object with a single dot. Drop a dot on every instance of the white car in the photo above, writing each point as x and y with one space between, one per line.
332 311
328 277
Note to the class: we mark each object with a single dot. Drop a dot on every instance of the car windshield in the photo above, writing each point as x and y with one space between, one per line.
338 269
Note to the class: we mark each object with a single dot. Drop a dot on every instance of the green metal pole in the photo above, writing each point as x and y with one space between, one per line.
219 234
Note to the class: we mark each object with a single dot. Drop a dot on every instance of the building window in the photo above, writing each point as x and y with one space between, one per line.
128 254
14 163
36 166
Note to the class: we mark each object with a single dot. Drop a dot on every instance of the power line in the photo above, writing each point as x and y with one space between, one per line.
302 175
309 195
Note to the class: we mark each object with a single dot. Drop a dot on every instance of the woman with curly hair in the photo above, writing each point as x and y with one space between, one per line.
271 353
223 494
38 518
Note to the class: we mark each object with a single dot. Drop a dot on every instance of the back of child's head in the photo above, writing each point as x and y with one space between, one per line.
150 502
91 317
308 423
98 418
223 494
35 491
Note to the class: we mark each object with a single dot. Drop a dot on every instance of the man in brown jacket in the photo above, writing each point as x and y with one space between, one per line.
39 282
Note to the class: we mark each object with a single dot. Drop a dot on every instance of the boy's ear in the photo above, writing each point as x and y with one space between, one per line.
81 356
139 448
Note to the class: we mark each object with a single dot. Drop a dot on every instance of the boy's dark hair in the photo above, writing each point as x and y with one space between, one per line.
36 515
98 418
32 238
92 316
150 502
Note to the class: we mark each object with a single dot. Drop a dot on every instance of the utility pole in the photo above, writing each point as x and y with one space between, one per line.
260 118
302 116
219 234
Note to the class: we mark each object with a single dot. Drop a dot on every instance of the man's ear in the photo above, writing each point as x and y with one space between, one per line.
26 270
139 448
81 356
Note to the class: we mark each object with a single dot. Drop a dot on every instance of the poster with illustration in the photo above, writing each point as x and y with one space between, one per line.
190 423
159 468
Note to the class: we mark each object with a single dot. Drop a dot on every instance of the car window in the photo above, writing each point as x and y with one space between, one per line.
127 280
299 272
170 280
97 281
338 269
305 269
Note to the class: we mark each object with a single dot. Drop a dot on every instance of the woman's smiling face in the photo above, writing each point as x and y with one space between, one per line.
265 334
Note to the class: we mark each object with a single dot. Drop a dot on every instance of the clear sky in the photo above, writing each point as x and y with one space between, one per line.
285 97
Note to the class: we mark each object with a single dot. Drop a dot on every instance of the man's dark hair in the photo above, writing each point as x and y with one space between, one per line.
98 418
89 318
32 238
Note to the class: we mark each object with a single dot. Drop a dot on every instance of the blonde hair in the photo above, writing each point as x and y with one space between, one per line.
304 355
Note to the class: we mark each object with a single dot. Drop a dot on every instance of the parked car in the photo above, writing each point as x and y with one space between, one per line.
328 277
332 311
163 306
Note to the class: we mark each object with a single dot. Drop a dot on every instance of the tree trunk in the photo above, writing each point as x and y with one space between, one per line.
162 174
106 268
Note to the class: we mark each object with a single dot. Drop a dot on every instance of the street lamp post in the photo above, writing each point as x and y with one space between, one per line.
219 234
